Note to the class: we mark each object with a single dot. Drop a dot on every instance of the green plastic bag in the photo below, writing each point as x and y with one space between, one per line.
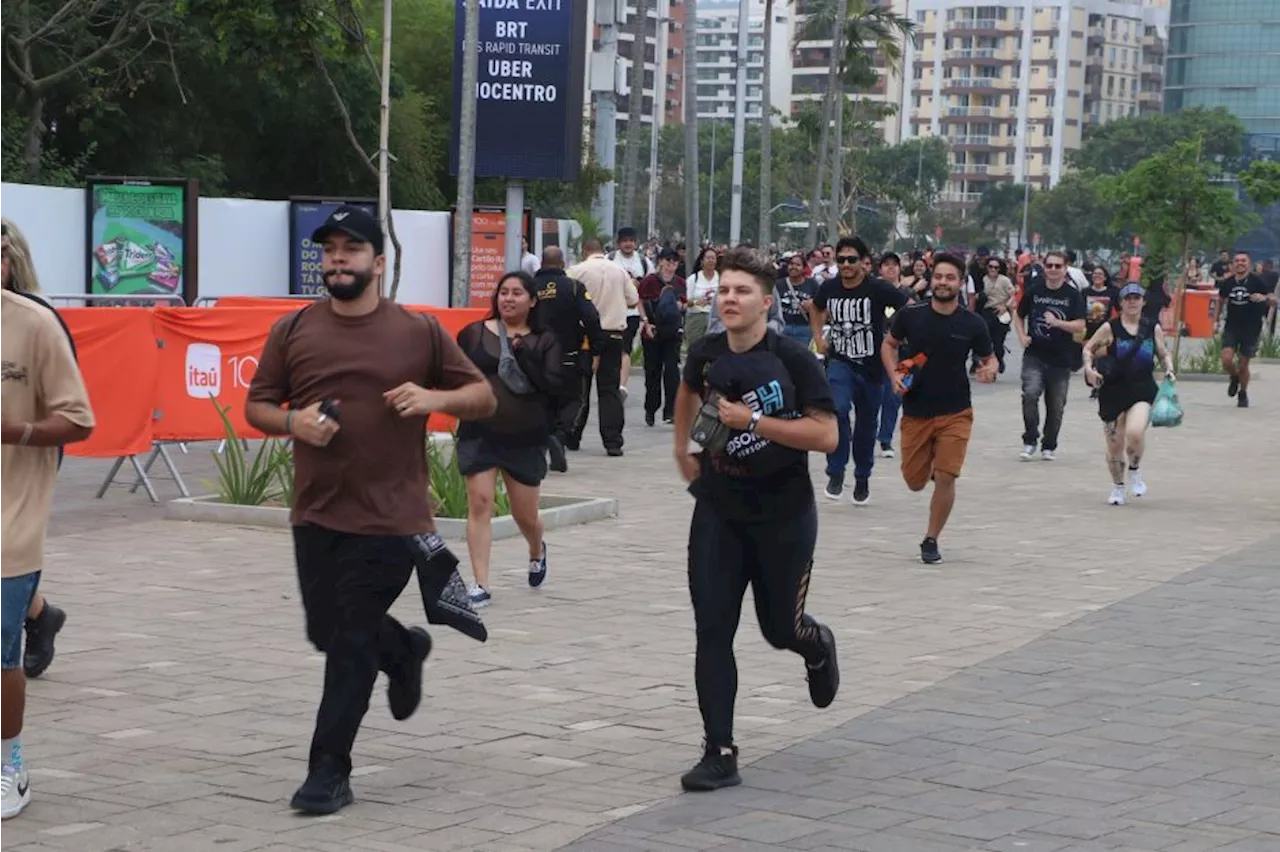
1166 410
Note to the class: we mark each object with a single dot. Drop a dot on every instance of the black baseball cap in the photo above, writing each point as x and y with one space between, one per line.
355 223
626 233
668 254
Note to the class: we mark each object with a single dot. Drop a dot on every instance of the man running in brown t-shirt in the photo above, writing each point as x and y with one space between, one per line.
361 478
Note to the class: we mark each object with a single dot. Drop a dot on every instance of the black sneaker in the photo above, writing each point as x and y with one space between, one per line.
1233 386
649 418
929 553
861 492
555 449
824 680
41 632
538 569
1242 401
404 691
327 789
835 486
572 445
613 452
715 770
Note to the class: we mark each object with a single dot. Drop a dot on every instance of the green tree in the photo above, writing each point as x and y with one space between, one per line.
1000 208
1261 182
1117 146
1074 213
1174 201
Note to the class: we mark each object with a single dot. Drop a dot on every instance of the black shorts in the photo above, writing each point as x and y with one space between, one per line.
1115 400
629 336
526 465
1244 343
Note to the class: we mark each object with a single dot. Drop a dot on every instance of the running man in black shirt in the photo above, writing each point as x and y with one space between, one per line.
1052 313
1247 299
937 412
757 403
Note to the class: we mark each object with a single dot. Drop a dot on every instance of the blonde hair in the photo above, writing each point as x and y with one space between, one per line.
22 272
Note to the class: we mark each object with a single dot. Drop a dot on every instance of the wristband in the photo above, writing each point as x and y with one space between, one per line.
288 422
755 421
26 434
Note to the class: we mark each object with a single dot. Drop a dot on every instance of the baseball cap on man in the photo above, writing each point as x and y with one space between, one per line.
353 222
1133 289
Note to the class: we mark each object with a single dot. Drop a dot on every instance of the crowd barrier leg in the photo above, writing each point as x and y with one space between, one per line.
159 451
138 469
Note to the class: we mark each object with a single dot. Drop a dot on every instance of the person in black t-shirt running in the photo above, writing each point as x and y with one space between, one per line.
937 412
1049 314
756 403
1247 299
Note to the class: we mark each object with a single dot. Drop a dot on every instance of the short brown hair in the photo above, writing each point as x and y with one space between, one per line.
755 263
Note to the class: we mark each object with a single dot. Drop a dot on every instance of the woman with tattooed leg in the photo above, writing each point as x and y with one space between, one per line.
1119 361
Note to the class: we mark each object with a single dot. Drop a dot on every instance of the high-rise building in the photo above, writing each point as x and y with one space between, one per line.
658 63
811 59
717 45
1227 53
1012 85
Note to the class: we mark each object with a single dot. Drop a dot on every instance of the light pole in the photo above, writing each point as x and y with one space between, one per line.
711 183
659 111
739 126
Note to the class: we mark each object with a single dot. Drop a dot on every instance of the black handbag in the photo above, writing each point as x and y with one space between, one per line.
444 595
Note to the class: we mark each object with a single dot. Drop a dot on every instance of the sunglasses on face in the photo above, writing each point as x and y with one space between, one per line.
993 267
1053 266
848 259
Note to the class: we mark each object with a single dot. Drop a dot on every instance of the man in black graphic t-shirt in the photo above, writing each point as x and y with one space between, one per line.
1049 316
1247 301
852 306
758 403
937 413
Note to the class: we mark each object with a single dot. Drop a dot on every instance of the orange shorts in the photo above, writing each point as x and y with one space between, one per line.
934 443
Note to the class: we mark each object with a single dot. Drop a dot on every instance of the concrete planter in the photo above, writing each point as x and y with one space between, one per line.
1203 377
556 511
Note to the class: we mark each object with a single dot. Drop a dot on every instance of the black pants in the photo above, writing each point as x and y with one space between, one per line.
724 556
661 375
608 375
348 583
564 408
998 331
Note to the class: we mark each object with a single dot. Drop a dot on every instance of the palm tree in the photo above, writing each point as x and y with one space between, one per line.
691 175
635 99
766 134
852 65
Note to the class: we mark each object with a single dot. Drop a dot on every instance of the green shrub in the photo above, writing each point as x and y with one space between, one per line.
449 486
1209 360
1269 346
244 480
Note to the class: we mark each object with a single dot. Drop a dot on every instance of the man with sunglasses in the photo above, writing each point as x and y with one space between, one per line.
1049 316
853 306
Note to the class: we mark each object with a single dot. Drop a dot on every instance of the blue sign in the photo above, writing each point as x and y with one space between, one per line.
305 215
529 88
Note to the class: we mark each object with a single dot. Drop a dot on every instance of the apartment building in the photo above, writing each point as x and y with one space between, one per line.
1011 86
662 60
717 45
811 58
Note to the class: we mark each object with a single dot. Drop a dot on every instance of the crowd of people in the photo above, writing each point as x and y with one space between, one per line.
753 358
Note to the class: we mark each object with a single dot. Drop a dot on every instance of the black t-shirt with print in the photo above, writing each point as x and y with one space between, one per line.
755 479
856 319
789 298
1053 346
1243 316
941 386
1099 307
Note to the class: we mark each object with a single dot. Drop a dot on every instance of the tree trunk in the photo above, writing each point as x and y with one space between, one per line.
766 135
692 176
837 151
819 182
35 137
1179 297
635 101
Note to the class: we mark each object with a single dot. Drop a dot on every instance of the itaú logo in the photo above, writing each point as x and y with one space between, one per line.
204 370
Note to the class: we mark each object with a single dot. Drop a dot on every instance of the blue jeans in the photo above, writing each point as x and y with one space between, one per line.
800 333
850 390
16 593
890 405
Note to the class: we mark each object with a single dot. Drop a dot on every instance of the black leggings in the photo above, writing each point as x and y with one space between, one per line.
724 556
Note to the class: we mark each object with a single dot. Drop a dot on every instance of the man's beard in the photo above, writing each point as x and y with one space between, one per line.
951 297
348 292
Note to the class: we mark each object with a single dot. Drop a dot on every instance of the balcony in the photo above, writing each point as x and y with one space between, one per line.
1097 34
954 197
969 168
971 110
971 53
974 83
972 139
1152 70
973 24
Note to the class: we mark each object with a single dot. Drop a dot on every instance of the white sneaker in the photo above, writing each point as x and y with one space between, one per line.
886 451
16 789
479 596
1117 495
1047 455
1028 450
1136 486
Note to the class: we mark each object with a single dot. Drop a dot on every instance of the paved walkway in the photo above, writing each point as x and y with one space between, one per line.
1061 674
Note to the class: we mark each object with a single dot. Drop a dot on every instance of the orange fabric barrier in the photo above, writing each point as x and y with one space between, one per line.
260 302
151 371
119 361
